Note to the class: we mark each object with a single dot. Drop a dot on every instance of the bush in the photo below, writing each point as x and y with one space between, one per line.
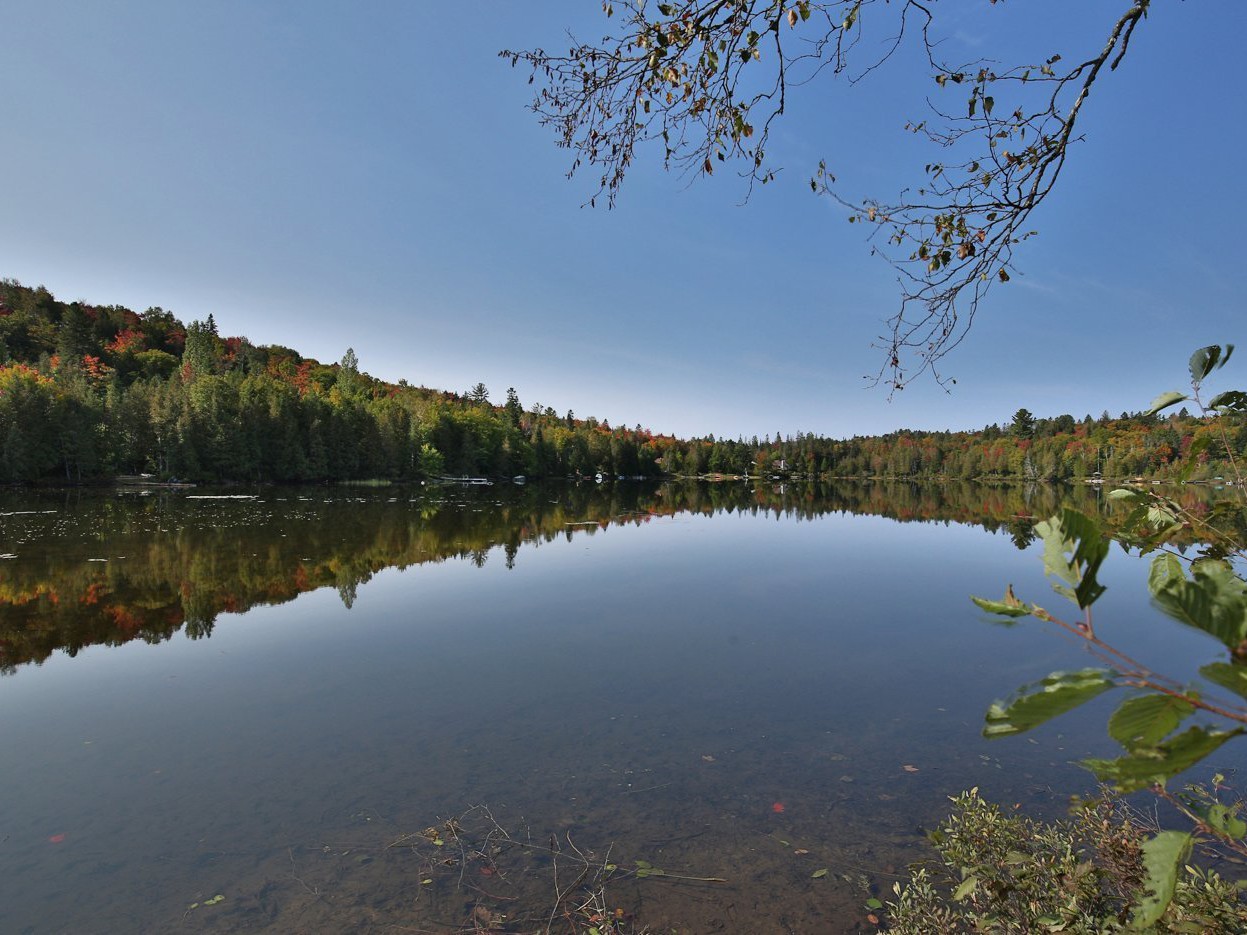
1094 872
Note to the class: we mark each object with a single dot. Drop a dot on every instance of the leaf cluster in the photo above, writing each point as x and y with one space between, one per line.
1098 871
1211 598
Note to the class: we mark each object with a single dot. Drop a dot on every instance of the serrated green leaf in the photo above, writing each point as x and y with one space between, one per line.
968 886
1165 400
1160 515
1213 600
1203 361
1147 720
1227 675
1035 704
1165 572
1163 857
1149 766
1073 551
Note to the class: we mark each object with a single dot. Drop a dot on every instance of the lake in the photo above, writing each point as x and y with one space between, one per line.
437 709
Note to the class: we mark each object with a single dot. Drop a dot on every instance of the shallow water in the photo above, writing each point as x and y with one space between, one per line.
706 679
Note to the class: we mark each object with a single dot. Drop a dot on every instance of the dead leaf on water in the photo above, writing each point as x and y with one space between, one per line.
909 769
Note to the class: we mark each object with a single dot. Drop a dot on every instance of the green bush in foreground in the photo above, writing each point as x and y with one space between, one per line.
1099 871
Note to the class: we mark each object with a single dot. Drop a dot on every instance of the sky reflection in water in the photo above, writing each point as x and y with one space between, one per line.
658 685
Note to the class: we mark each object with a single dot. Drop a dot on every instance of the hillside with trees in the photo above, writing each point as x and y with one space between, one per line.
88 392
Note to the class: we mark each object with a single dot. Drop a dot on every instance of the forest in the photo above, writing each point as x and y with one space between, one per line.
90 392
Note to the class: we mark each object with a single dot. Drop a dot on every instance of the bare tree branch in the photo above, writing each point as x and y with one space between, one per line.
706 79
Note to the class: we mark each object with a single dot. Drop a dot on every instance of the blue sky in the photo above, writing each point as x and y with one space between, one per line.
331 175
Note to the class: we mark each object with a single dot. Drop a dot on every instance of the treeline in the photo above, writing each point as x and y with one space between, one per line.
1179 446
88 392
94 391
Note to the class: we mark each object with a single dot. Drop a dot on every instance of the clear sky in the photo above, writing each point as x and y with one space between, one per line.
327 175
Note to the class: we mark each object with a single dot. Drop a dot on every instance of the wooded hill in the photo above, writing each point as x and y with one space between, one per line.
89 392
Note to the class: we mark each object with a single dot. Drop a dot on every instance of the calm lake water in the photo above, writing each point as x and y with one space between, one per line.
272 699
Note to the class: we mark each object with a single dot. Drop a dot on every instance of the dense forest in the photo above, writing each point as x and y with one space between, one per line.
89 392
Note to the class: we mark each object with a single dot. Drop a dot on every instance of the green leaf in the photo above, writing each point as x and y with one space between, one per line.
1164 401
1213 599
1203 360
1229 401
1227 676
1035 704
968 886
1075 535
1166 570
873 903
819 874
1163 857
1147 720
1207 359
1147 767
1009 606
999 607
1224 819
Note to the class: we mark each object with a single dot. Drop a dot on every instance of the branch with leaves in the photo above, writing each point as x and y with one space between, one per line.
705 81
